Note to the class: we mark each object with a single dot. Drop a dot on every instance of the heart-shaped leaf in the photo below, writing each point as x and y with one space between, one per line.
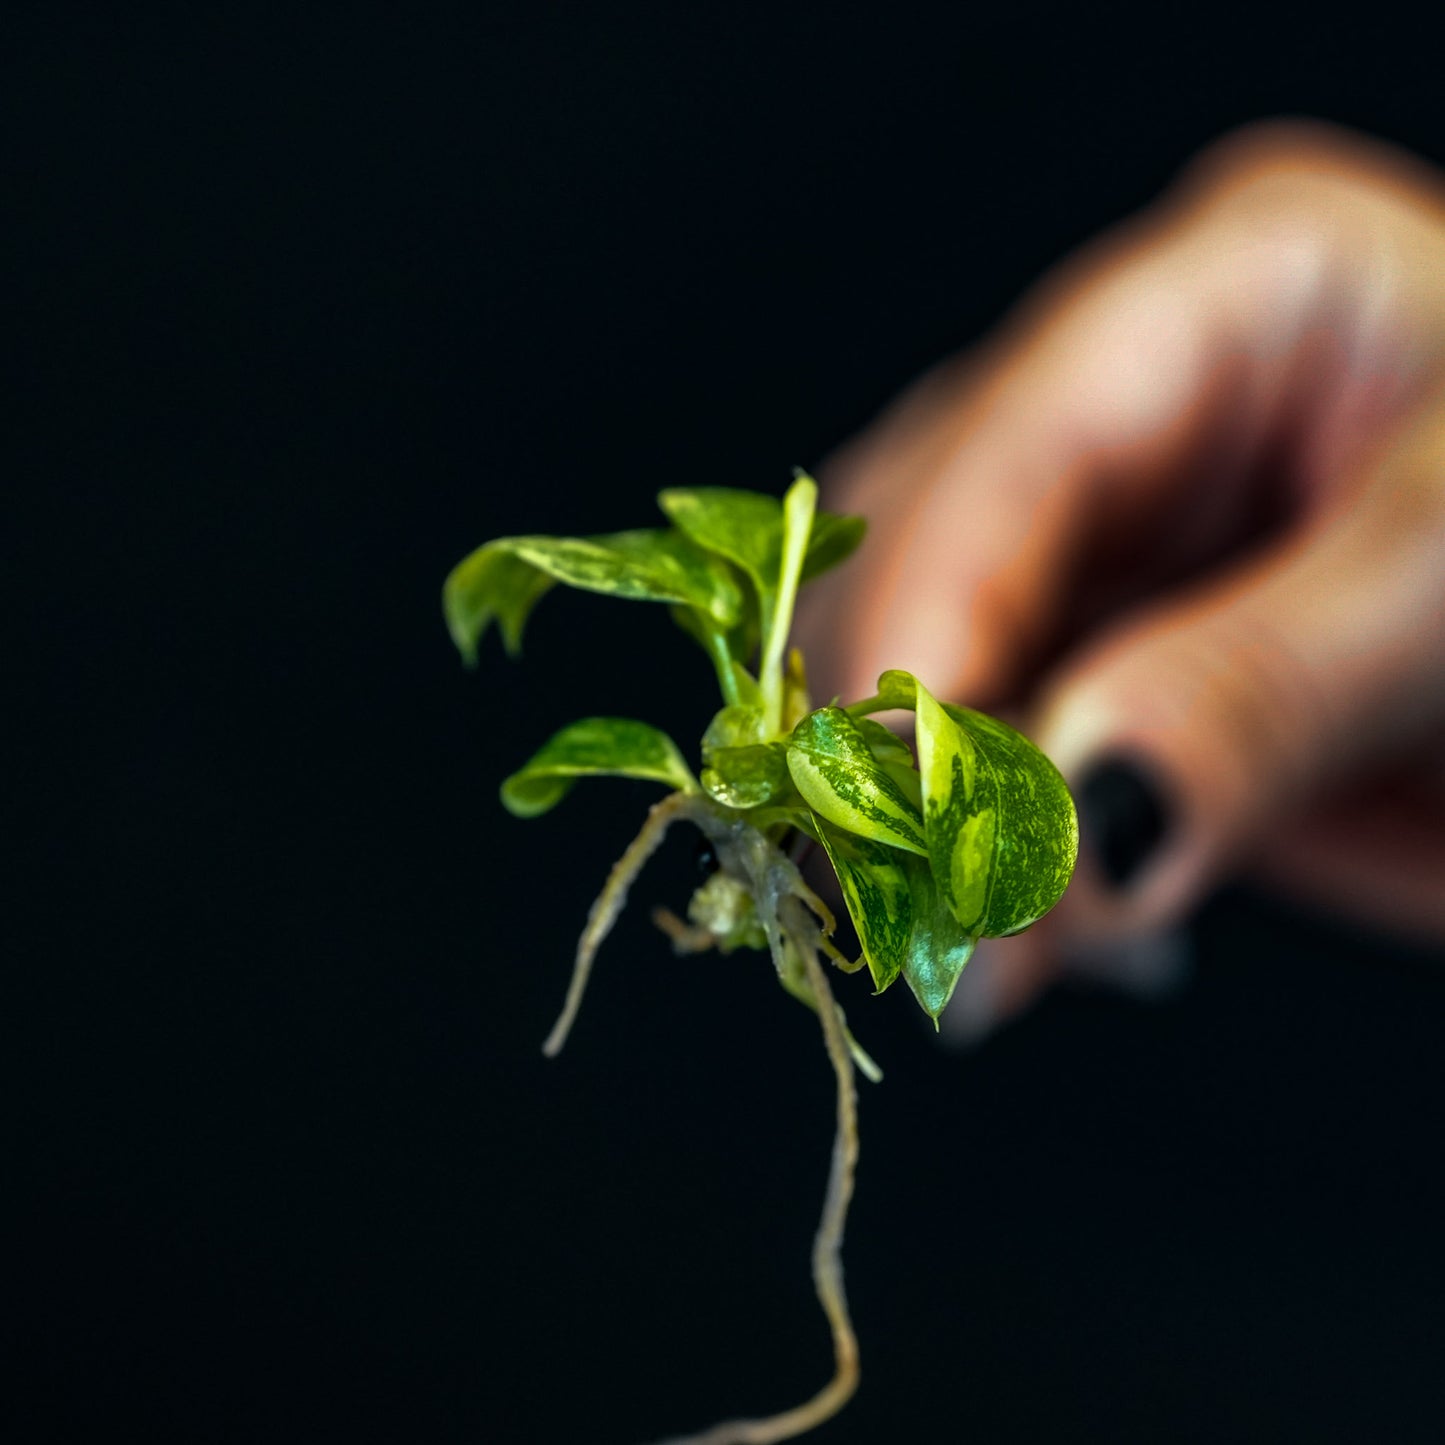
834 769
595 746
1002 832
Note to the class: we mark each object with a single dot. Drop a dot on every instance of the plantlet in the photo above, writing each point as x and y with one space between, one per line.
976 837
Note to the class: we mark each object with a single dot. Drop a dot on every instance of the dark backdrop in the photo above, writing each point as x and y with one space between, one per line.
298 310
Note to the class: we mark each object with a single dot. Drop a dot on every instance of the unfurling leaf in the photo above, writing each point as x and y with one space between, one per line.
836 772
595 746
505 579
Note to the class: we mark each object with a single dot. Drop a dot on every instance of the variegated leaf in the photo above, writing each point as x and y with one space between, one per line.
938 946
749 776
595 746
747 529
903 926
836 772
874 881
1001 828
505 578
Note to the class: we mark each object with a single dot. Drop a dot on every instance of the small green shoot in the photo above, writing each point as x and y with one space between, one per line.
976 839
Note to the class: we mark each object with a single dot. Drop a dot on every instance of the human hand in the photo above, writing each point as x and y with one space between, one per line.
1184 518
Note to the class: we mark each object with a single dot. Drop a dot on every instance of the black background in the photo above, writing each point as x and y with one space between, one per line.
299 309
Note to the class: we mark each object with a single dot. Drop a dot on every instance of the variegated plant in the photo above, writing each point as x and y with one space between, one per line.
976 838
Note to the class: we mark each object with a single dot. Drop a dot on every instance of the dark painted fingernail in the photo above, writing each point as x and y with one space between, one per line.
1122 817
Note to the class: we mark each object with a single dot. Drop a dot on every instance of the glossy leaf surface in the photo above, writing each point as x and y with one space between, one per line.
595 746
1002 833
834 769
749 777
938 946
874 882
747 529
504 579
744 527
903 925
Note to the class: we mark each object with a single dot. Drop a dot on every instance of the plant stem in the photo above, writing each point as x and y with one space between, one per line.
827 1250
722 661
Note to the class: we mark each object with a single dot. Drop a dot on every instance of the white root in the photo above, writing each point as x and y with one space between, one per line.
610 902
827 1257
780 894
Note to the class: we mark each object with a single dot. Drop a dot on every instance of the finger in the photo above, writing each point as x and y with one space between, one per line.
1375 852
1132 396
1258 692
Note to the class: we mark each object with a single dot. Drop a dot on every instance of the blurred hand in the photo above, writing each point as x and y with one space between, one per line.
1183 519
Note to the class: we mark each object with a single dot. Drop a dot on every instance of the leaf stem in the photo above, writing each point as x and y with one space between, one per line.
722 661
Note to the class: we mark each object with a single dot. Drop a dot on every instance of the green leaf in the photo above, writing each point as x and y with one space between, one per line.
902 925
897 689
835 771
938 947
505 578
1002 833
744 527
874 882
834 540
885 745
491 583
595 746
736 726
663 561
749 777
747 529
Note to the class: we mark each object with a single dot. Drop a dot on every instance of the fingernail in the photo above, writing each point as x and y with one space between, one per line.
1122 817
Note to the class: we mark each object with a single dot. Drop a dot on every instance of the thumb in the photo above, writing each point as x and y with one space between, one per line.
1191 728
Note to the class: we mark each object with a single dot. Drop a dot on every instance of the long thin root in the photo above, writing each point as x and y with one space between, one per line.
827 1253
610 902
